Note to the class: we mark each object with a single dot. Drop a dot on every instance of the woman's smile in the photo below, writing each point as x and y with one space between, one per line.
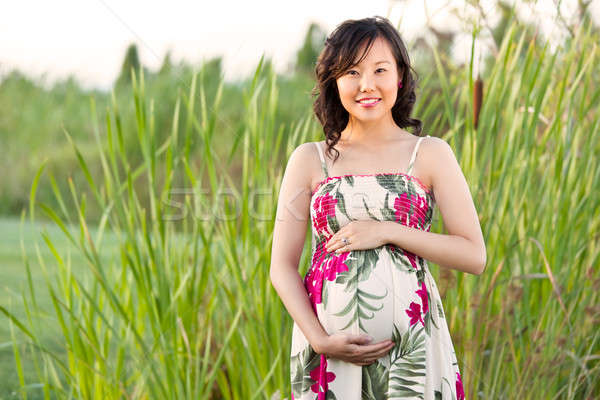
367 103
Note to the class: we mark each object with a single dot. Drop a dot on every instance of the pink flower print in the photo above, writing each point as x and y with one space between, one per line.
423 295
324 206
414 312
460 393
313 281
412 257
319 254
335 265
322 377
321 269
423 206
402 206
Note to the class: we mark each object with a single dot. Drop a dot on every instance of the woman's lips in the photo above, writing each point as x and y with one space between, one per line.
372 104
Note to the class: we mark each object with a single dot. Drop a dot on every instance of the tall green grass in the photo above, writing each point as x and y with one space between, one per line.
182 306
33 118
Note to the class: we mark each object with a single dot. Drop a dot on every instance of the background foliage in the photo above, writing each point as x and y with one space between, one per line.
140 267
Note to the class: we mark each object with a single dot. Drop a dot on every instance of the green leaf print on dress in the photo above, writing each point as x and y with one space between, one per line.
369 213
349 179
360 267
310 375
341 203
401 259
407 359
392 185
301 365
374 381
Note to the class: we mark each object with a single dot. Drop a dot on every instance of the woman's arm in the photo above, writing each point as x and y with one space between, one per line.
289 235
463 248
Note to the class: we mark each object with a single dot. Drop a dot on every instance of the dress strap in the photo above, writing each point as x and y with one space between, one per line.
323 165
414 154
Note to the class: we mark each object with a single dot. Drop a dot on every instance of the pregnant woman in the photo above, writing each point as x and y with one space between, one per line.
368 319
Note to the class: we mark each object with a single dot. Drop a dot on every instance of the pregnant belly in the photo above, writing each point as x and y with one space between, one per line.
367 299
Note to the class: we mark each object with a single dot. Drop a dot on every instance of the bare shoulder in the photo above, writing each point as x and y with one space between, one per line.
435 147
304 150
303 165
442 169
306 154
435 153
440 153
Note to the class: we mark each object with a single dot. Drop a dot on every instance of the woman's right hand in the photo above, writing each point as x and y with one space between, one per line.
355 349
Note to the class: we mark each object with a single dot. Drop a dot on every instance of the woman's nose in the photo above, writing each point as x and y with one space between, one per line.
366 83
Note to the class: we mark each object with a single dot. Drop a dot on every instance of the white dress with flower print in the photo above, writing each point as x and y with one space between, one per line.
385 292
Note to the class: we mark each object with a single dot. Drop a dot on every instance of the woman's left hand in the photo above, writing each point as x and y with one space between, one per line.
361 235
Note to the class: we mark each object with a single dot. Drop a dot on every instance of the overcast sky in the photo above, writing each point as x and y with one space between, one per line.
88 38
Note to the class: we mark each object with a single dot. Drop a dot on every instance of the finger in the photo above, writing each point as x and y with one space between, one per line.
373 348
369 359
345 246
335 245
342 247
379 353
338 235
363 363
331 247
331 242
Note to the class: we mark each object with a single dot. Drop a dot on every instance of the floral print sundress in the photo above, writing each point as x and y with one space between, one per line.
385 292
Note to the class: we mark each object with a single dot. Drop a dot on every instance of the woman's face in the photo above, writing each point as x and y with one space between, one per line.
375 78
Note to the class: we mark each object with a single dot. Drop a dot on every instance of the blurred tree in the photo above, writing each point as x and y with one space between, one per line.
167 64
132 60
308 53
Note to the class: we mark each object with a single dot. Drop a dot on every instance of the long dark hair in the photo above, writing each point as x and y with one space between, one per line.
339 53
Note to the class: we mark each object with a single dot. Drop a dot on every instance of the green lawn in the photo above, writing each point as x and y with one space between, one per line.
13 284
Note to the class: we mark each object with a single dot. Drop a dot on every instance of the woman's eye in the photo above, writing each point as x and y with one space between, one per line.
351 72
